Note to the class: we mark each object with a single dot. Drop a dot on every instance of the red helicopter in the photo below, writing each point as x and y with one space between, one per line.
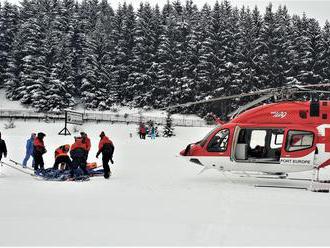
276 138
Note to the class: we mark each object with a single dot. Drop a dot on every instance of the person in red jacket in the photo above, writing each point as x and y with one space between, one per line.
62 157
142 131
107 148
78 155
38 150
86 140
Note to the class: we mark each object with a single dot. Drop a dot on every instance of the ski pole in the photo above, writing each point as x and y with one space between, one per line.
13 167
16 163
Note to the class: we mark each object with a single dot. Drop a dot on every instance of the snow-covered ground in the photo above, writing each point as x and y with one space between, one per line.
153 198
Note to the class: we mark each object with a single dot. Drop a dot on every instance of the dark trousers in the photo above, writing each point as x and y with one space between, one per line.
105 162
79 162
62 159
38 161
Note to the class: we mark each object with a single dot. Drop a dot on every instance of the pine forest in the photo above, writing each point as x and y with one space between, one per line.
56 54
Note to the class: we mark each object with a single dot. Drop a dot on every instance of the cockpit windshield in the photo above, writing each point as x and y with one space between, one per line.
203 141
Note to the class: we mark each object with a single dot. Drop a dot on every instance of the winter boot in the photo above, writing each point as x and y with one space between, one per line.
106 175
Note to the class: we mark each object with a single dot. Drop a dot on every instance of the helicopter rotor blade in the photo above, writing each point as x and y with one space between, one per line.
295 89
312 91
260 92
249 105
311 85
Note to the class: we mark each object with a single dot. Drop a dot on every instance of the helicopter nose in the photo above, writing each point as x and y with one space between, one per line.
186 151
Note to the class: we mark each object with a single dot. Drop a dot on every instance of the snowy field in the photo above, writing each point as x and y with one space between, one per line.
153 198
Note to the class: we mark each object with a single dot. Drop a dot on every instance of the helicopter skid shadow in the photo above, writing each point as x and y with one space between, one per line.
215 179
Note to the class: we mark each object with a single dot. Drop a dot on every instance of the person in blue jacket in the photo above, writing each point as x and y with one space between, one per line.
153 132
29 150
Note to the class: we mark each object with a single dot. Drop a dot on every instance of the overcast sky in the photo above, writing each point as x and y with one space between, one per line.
319 9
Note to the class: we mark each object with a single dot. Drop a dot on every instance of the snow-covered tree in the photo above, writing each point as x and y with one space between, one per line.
168 128
140 80
8 30
57 53
325 54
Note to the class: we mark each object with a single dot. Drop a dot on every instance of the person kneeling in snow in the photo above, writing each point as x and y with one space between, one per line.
78 155
62 157
107 148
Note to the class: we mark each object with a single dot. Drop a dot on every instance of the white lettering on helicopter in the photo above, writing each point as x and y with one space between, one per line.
279 114
295 161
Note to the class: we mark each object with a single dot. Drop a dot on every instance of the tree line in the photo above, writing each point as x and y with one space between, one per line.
55 54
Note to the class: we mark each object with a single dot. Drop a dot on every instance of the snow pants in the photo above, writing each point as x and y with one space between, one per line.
26 159
38 161
78 160
105 162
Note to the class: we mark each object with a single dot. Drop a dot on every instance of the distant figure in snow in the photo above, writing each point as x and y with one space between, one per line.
156 132
107 148
62 157
39 149
78 155
152 132
3 148
29 150
142 131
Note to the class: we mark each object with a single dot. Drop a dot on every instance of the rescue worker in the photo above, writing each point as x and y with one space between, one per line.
38 150
86 140
3 148
62 157
78 155
29 150
107 148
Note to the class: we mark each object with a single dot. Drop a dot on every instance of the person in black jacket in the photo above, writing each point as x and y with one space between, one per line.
3 148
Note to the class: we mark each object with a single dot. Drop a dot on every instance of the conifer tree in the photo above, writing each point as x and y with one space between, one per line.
54 52
31 59
168 128
248 43
124 51
212 57
325 54
140 80
8 30
307 46
165 85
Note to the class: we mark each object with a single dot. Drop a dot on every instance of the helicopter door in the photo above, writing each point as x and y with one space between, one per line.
299 148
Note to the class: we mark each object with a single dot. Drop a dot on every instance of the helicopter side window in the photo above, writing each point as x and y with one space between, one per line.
219 142
259 145
299 140
276 140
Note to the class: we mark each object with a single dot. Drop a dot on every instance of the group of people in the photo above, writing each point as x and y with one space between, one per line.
79 152
144 130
